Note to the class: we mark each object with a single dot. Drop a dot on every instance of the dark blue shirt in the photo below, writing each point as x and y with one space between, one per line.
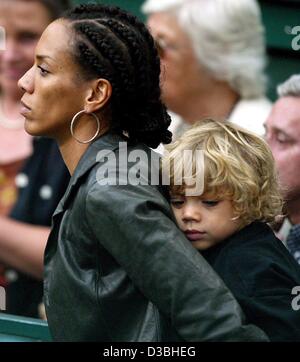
261 274
41 184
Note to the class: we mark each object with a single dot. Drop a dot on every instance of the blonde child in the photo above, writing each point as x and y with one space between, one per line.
228 221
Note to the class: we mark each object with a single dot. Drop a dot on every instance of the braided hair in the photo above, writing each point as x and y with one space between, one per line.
111 43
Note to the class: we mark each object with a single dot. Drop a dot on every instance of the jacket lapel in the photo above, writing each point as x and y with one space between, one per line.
107 142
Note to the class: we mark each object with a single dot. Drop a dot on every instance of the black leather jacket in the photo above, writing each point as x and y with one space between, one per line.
118 269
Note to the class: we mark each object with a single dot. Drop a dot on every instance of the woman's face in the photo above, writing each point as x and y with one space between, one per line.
182 76
53 92
23 23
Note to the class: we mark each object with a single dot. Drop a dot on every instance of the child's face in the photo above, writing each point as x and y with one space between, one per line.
204 220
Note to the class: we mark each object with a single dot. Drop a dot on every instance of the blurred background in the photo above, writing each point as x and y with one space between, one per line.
282 22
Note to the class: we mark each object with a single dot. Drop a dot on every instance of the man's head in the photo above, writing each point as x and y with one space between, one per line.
283 136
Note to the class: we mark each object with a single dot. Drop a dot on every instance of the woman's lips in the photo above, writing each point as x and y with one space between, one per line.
194 235
24 109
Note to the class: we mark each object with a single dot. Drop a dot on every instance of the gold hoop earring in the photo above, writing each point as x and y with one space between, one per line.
74 119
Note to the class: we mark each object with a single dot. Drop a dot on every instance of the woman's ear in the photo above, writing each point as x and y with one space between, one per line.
98 95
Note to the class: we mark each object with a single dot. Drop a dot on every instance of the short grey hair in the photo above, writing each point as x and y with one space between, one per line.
291 87
227 36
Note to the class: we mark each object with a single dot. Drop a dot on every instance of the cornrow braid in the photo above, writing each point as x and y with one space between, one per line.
142 81
131 19
113 44
103 40
133 44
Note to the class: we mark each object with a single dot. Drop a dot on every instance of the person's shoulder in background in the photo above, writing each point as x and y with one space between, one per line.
252 114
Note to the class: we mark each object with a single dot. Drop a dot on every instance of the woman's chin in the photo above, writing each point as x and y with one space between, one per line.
31 129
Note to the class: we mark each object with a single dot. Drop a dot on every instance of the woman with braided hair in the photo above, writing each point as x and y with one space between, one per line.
112 259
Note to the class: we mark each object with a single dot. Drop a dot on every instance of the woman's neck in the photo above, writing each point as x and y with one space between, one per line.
71 152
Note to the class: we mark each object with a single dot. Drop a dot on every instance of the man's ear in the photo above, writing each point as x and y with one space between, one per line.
98 95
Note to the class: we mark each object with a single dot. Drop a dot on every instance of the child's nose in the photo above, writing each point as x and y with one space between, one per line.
191 213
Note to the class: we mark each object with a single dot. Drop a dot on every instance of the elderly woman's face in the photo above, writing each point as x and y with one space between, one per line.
53 93
181 73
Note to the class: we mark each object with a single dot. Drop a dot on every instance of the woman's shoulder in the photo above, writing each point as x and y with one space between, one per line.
123 167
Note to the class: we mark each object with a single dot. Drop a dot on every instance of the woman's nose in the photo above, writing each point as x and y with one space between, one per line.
25 83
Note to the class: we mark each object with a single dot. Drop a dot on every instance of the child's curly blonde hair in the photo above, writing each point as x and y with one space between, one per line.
238 165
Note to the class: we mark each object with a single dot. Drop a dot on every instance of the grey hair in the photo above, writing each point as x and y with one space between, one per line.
227 37
291 87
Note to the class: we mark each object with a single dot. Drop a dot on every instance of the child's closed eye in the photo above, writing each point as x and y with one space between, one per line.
210 203
177 202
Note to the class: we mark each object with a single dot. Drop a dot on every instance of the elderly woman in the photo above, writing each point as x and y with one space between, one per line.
213 59
116 266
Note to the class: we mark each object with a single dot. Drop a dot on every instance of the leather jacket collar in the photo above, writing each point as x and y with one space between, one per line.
109 142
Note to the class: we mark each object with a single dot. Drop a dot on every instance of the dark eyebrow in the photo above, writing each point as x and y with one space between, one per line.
42 57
